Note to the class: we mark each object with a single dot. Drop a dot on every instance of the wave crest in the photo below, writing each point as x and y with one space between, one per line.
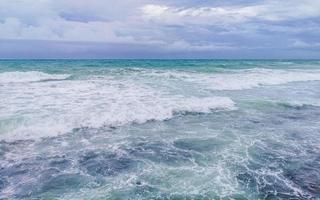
240 79
46 111
30 76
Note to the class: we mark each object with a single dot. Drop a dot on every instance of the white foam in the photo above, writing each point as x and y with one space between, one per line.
41 109
242 79
21 77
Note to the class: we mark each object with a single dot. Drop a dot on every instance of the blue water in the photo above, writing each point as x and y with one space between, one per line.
159 129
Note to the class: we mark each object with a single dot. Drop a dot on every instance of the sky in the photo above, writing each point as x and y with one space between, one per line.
239 29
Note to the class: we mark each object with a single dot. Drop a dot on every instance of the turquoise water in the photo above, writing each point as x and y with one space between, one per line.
159 129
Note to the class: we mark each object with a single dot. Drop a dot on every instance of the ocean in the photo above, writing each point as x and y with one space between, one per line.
160 129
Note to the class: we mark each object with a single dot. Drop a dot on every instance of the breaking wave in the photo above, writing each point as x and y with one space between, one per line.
52 108
242 79
30 76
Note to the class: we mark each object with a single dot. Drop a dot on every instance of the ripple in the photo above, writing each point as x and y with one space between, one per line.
105 163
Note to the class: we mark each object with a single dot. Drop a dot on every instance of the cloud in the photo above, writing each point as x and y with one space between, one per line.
185 46
170 26
305 45
268 11
200 16
58 29
290 10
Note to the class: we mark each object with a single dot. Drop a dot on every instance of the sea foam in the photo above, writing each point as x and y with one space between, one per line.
241 79
42 109
39 108
29 76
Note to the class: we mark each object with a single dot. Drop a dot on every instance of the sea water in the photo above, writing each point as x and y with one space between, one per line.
159 129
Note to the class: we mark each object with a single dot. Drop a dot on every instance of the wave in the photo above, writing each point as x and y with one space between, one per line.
116 98
298 105
29 76
49 111
240 79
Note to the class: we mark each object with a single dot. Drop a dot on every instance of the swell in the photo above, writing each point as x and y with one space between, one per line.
238 79
41 108
48 126
29 76
51 108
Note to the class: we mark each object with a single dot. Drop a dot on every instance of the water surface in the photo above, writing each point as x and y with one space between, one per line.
159 129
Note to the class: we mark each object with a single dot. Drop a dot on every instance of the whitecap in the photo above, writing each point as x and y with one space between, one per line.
241 79
47 109
29 76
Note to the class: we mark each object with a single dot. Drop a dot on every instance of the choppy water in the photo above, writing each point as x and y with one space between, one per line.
159 129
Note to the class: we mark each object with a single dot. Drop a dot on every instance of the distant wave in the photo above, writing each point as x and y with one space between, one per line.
298 105
29 76
241 79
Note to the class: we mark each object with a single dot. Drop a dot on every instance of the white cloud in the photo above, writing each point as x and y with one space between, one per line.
290 10
146 21
268 10
302 44
36 10
62 30
44 20
185 46
201 16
